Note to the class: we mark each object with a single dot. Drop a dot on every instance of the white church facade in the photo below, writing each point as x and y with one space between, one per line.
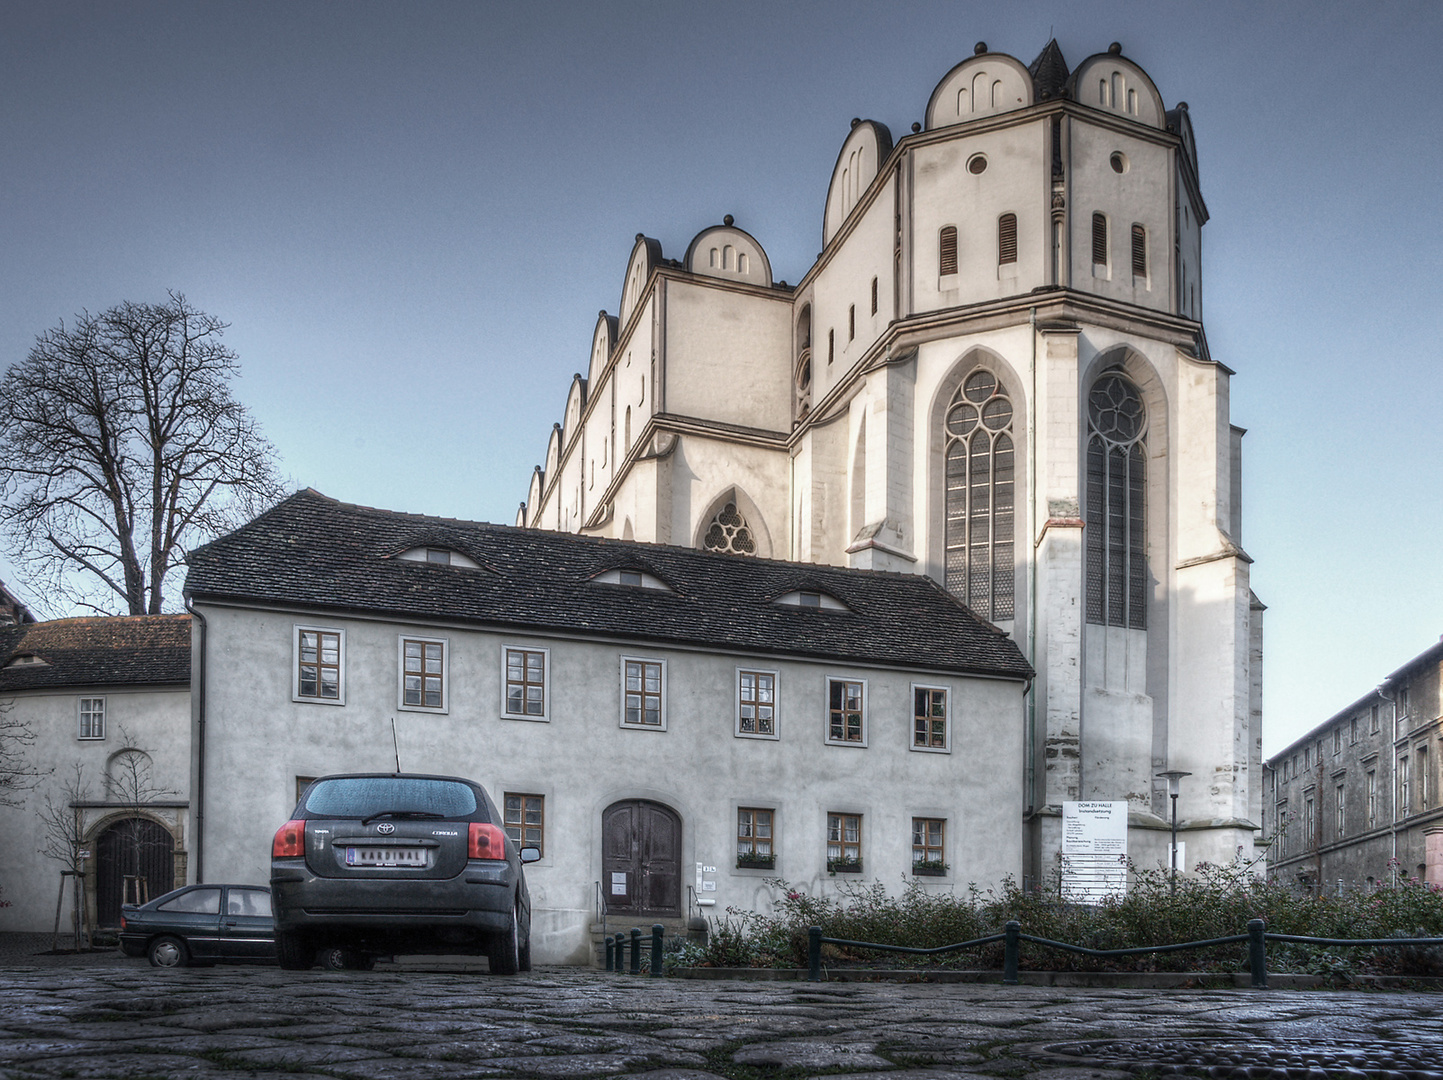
996 375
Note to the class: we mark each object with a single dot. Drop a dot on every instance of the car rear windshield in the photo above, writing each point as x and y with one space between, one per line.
365 796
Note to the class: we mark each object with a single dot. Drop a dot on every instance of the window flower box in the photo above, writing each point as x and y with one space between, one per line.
929 868
756 862
844 866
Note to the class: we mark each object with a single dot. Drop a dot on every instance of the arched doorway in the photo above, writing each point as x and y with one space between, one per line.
641 858
134 848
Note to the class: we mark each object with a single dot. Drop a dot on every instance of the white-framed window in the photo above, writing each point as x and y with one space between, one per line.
318 670
756 704
526 820
92 718
643 693
424 678
931 720
846 711
525 676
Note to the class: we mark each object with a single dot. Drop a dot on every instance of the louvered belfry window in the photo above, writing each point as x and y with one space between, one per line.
1115 514
1099 239
980 461
1007 239
1139 251
949 251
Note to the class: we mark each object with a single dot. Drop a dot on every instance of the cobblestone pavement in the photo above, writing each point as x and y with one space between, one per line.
98 1018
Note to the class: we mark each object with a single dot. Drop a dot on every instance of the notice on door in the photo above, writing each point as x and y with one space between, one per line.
1094 851
618 884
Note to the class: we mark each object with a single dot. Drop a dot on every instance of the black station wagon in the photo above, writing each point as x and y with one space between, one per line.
200 924
385 863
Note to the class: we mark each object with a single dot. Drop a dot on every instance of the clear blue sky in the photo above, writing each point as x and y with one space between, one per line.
411 213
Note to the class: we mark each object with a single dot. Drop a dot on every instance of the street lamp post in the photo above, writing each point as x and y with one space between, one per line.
1172 776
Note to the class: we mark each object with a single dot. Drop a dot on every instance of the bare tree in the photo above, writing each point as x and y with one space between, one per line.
131 783
121 446
63 841
18 773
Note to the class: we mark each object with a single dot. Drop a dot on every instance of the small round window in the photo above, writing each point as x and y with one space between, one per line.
1119 161
977 164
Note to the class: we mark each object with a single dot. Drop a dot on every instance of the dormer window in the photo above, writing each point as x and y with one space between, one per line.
633 578
439 556
27 660
811 598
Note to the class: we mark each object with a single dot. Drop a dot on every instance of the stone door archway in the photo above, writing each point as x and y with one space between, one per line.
641 859
133 847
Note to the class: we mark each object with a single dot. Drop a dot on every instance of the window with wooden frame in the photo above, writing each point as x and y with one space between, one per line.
1341 820
525 819
846 712
1404 806
1099 239
526 672
1006 239
1372 788
1425 796
303 782
754 838
1139 251
844 842
948 261
92 718
319 665
423 674
930 729
756 704
928 835
643 693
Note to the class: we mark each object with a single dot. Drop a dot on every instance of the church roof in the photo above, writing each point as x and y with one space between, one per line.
316 552
1049 71
129 650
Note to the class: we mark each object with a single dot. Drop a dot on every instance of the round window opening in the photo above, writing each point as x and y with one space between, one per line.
1119 161
977 165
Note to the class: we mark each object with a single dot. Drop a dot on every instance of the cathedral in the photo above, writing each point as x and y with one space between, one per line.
995 374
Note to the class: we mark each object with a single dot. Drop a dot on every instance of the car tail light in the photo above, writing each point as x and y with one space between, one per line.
487 842
122 922
290 841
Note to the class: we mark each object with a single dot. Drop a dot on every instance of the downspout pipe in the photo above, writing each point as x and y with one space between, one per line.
198 679
1032 575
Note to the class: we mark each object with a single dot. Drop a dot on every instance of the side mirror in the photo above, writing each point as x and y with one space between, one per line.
530 854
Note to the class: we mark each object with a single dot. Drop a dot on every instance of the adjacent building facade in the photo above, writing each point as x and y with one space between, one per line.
108 703
1355 802
671 727
995 375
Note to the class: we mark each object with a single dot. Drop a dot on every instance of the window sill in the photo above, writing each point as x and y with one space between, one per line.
854 745
757 735
533 719
931 749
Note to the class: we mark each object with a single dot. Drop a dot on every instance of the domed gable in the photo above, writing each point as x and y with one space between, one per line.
862 154
1113 84
983 85
533 493
725 251
644 258
553 451
575 402
603 340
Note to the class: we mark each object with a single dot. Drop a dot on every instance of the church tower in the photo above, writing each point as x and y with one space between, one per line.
994 374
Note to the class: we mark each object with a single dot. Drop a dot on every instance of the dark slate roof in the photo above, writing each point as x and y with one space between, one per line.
130 650
1049 72
315 552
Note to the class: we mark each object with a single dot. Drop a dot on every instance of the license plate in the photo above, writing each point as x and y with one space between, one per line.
386 856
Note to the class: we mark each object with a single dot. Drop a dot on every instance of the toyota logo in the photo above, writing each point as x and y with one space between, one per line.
385 827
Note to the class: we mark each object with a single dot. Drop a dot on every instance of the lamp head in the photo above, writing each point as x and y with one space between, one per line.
1172 776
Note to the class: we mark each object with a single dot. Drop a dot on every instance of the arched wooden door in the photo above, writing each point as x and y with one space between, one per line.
134 847
641 858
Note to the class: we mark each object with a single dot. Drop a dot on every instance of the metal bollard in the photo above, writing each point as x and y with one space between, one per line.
814 954
1011 952
1258 953
636 950
620 953
607 939
656 931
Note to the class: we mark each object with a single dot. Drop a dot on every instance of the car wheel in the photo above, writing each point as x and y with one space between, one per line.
168 952
292 951
505 952
345 960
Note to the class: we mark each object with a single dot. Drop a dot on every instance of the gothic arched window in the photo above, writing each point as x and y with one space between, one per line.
1116 504
980 506
729 533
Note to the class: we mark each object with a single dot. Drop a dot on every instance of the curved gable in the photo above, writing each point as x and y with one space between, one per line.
533 492
1110 83
861 156
603 340
575 402
645 256
725 251
553 450
983 85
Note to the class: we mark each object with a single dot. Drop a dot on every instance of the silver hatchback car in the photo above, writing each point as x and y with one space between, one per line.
383 863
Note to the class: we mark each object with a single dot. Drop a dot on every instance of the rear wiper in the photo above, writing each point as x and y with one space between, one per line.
424 814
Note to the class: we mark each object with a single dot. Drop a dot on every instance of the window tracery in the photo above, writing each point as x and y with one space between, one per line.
980 467
1116 504
729 533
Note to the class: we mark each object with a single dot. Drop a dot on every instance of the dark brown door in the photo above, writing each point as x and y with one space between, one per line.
130 851
641 858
